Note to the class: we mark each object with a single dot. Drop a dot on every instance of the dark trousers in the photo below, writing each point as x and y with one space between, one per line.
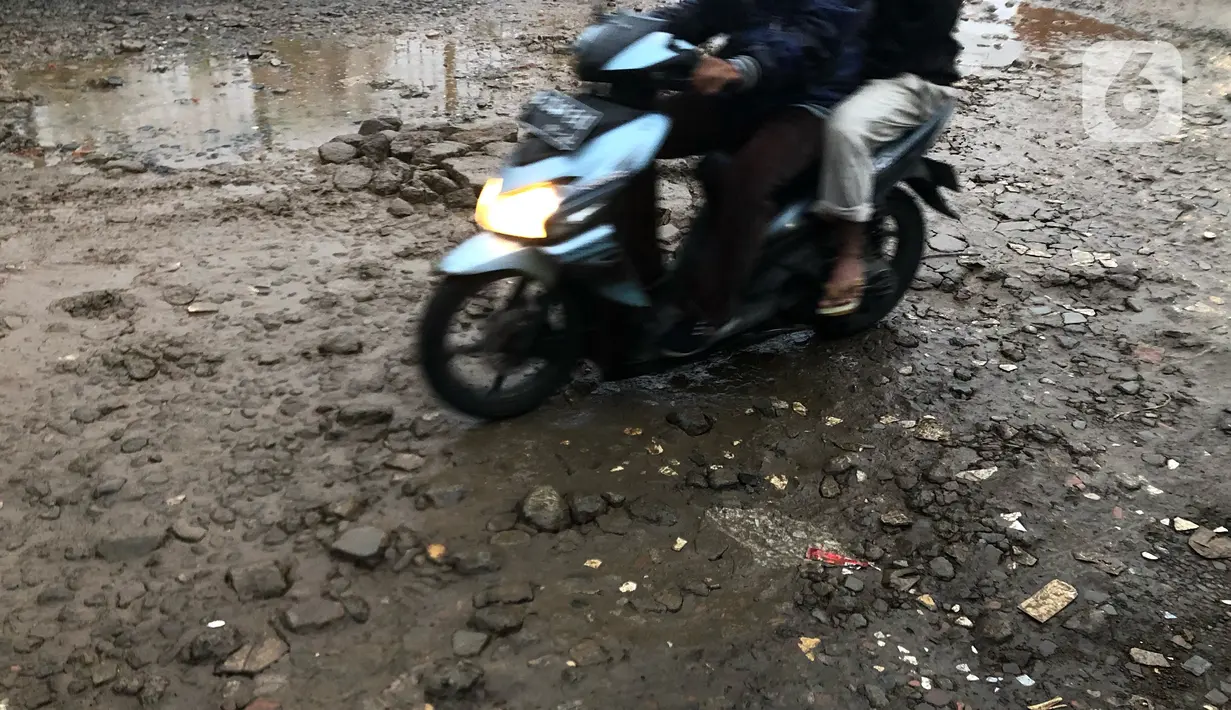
766 155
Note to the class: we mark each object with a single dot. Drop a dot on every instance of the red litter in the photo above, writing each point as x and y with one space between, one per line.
833 559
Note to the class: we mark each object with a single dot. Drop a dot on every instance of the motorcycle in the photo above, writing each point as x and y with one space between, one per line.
567 290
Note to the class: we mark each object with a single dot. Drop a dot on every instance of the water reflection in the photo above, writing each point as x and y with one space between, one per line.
1002 35
206 108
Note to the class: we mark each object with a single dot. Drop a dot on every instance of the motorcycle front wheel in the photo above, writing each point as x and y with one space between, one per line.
527 335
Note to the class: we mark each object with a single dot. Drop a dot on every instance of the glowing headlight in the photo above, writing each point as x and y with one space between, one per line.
521 213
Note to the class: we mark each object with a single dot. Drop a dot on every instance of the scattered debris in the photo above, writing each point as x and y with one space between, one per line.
977 475
929 429
679 544
1014 521
594 564
1209 545
807 646
628 587
1110 565
1148 658
896 519
1197 666
1182 525
834 559
1049 601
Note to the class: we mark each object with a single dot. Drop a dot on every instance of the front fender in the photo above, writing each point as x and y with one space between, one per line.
486 253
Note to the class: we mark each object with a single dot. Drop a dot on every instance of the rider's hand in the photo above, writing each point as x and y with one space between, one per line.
712 75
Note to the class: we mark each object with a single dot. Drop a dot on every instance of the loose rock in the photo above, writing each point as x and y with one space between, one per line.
692 422
260 580
335 152
1210 545
313 615
251 659
187 531
475 562
131 542
437 152
1149 659
451 681
1197 666
376 125
468 644
361 544
499 620
376 147
942 568
587 509
401 208
211 645
350 178
545 509
653 512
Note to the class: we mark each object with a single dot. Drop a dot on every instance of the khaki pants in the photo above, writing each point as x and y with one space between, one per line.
880 112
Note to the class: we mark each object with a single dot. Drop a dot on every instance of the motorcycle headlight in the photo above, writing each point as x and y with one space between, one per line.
521 213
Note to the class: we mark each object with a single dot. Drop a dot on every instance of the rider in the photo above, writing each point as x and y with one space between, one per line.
785 64
910 66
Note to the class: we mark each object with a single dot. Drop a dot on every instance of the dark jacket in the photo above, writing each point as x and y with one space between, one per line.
790 51
915 37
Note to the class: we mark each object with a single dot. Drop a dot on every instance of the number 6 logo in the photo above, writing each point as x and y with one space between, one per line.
1132 92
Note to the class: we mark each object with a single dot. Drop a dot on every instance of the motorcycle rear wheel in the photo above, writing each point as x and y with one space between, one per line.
527 332
902 220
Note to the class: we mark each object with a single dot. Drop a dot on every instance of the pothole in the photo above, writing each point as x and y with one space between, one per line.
98 305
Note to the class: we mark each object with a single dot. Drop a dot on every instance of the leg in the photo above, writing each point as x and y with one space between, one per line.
694 130
880 112
777 151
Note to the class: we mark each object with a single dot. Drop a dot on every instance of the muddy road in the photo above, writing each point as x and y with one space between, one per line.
225 486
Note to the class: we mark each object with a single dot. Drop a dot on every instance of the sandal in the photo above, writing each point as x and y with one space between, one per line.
844 306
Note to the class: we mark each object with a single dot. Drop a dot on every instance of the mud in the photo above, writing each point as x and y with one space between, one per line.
213 413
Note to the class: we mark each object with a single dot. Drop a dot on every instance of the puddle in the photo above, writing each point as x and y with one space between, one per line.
203 109
1000 31
200 109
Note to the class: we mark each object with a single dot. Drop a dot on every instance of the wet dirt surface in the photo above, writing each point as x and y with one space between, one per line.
213 413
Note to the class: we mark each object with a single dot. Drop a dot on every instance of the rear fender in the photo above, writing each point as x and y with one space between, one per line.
925 177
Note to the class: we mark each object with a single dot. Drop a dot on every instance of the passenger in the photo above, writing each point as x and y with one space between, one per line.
910 66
